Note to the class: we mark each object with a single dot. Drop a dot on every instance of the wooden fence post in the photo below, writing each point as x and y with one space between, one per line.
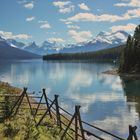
65 131
80 122
58 117
76 122
41 119
19 101
133 129
29 103
132 133
46 99
38 105
130 137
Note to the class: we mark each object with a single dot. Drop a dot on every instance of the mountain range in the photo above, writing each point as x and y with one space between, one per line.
103 40
11 52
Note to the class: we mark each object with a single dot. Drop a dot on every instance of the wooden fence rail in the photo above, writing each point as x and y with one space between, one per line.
74 122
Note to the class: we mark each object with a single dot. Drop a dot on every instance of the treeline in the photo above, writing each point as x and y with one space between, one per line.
130 59
102 55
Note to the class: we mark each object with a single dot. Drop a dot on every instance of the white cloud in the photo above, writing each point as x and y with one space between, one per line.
64 6
65 22
44 25
67 10
22 36
83 6
21 1
42 21
68 22
57 40
128 28
30 18
80 36
61 4
132 3
134 13
29 5
9 35
73 27
92 17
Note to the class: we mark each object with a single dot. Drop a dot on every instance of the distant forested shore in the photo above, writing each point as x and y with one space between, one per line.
110 54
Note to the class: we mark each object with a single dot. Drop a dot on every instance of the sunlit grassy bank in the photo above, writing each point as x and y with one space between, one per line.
22 126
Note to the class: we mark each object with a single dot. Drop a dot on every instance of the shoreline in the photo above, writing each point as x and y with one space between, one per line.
124 75
15 90
18 91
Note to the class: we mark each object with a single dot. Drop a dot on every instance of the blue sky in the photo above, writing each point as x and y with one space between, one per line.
66 21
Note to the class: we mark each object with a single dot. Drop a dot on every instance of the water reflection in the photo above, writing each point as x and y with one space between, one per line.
129 114
132 92
111 102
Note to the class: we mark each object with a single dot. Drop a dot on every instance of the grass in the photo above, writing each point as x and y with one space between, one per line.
22 126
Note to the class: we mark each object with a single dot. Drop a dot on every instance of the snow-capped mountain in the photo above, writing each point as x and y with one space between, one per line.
2 39
31 47
111 38
103 40
45 48
15 43
12 52
48 47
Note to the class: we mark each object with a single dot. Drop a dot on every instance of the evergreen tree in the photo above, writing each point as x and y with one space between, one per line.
130 59
137 35
137 47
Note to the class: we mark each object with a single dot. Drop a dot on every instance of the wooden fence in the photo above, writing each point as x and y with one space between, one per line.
69 124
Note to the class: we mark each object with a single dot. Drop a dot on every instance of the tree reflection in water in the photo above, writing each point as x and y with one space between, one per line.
131 89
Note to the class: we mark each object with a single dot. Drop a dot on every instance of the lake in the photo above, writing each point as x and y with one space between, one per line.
108 101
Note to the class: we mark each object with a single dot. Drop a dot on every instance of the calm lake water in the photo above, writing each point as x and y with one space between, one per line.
107 101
